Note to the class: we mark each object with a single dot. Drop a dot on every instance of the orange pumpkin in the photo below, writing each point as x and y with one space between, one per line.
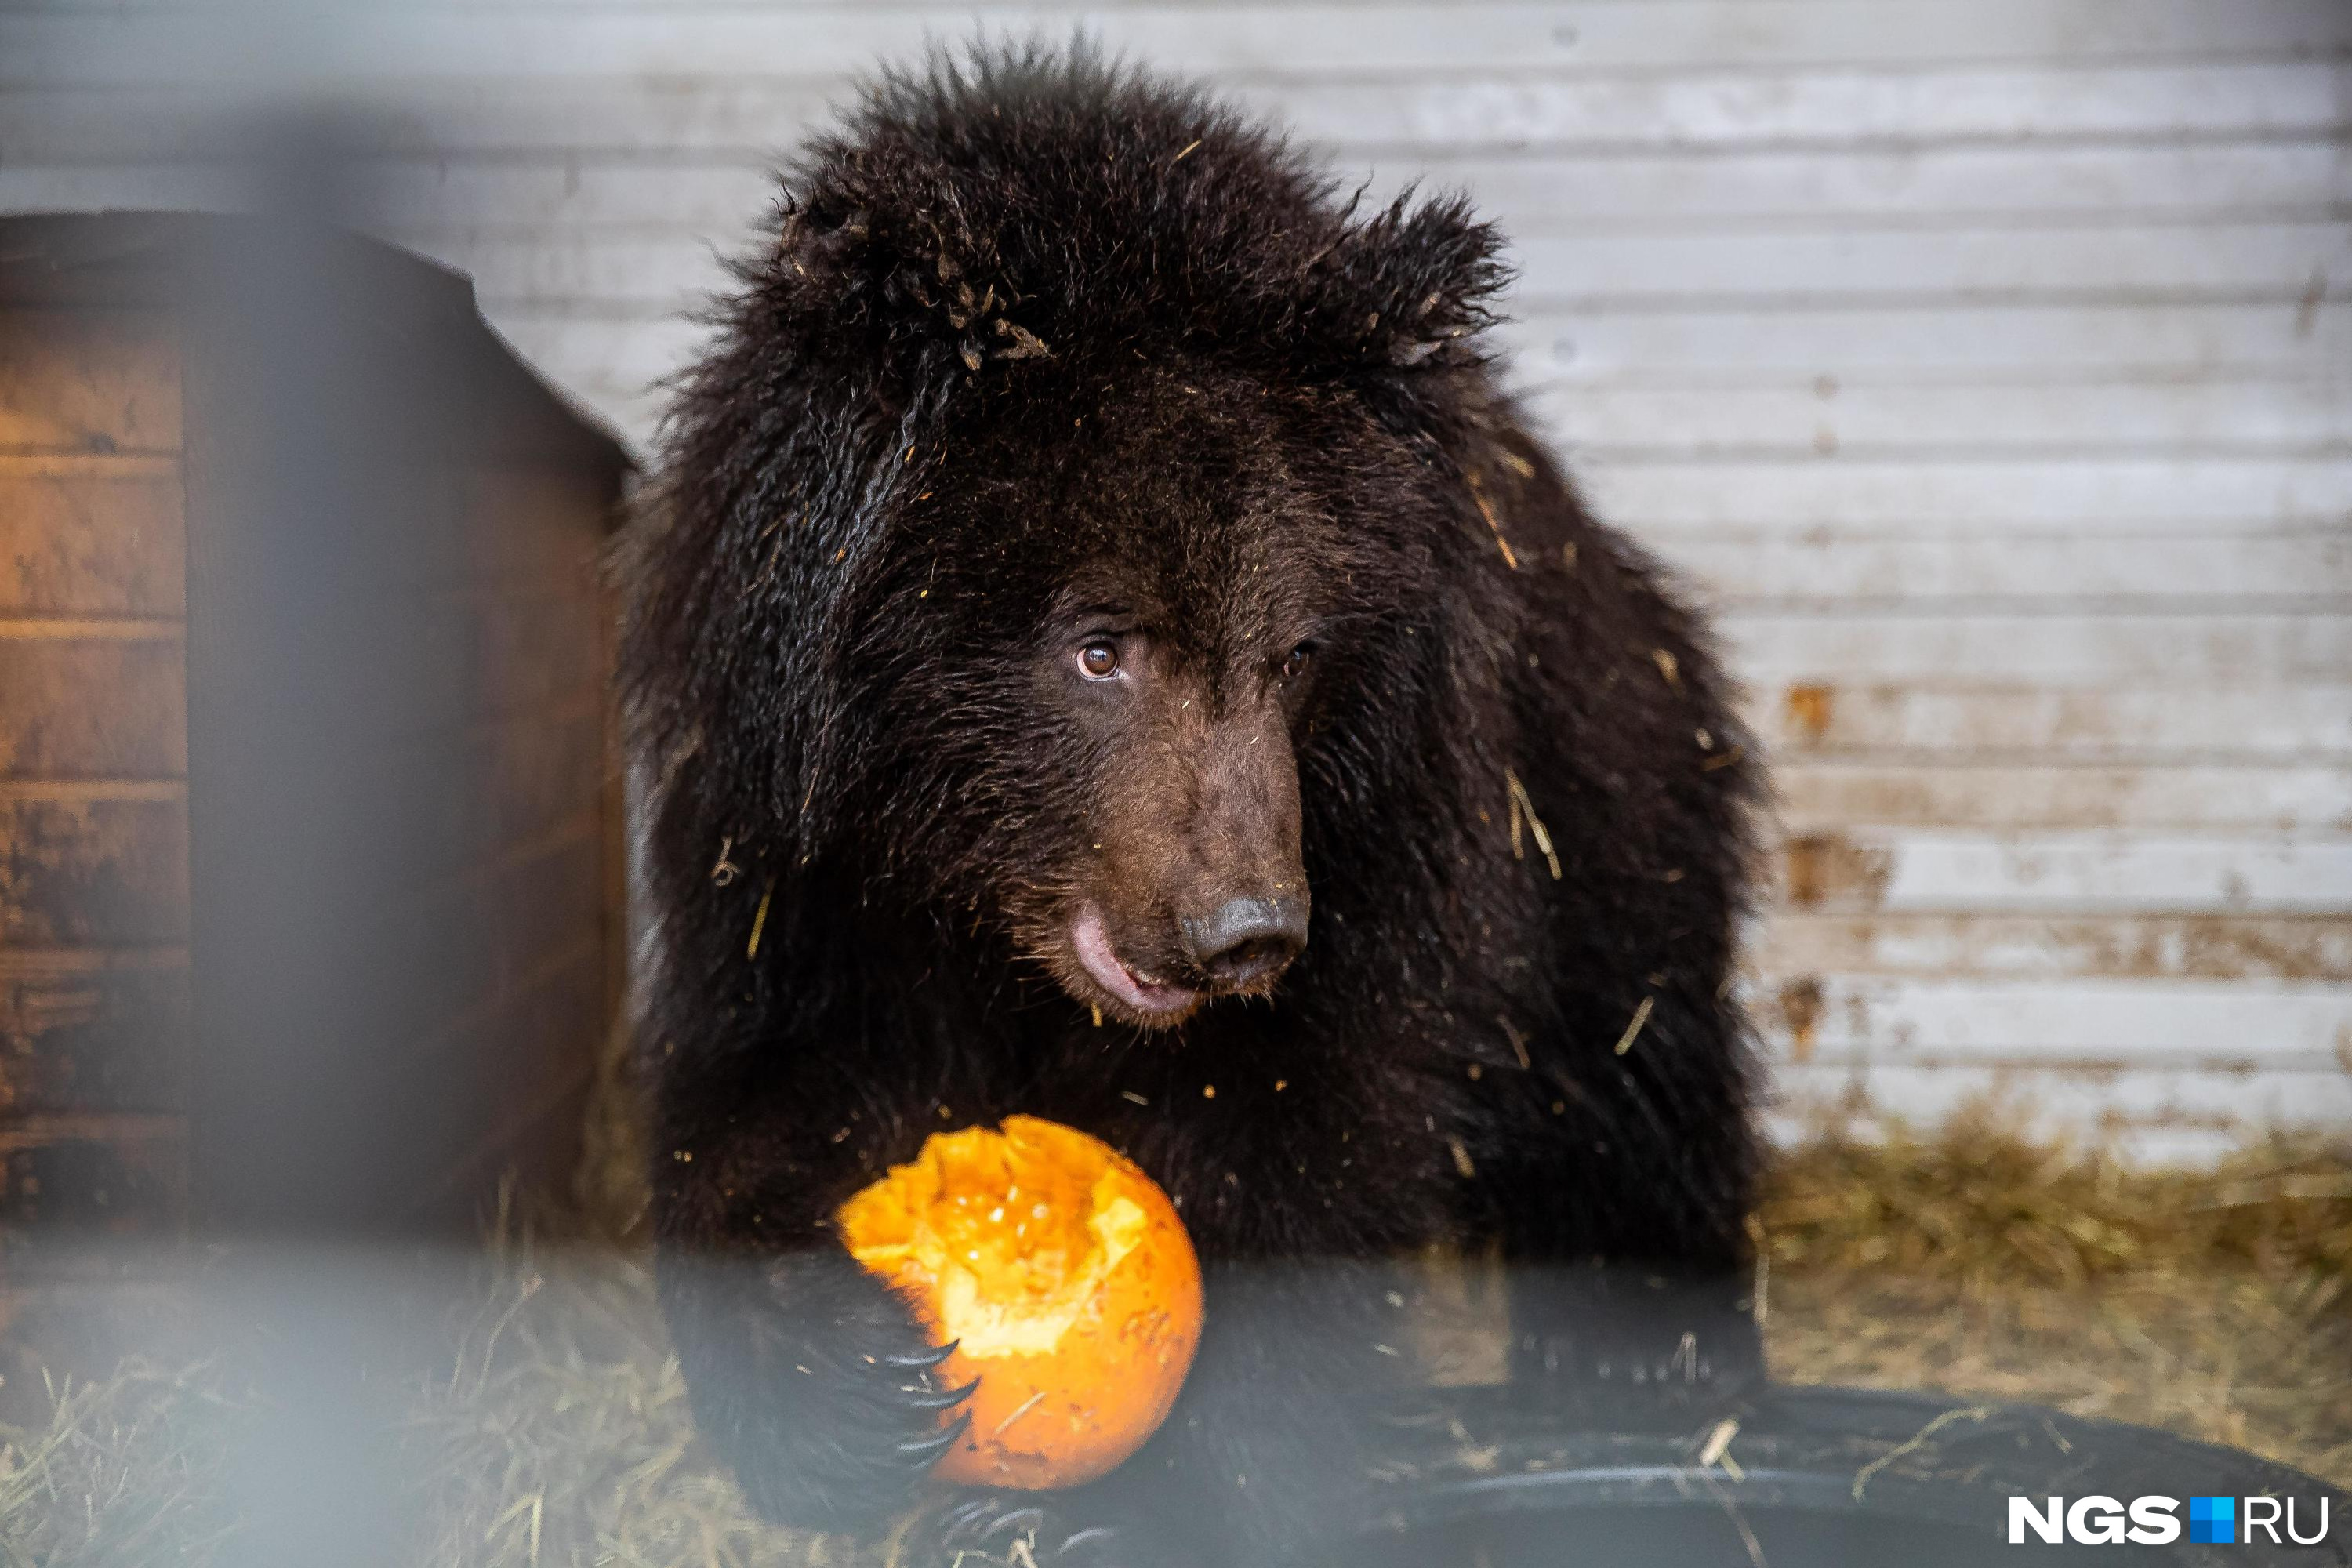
1064 1275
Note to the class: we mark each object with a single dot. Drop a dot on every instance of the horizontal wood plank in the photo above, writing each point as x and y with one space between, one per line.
87 380
1954 870
2009 496
106 465
740 111
91 1032
2078 257
92 545
1823 795
123 1172
1940 717
114 707
1870 185
2083 1100
1635 196
1803 646
2118 570
123 1129
742 115
1720 104
1945 343
2224 416
1791 943
93 872
1843 1018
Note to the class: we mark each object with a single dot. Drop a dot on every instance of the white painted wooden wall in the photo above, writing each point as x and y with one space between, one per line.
1989 363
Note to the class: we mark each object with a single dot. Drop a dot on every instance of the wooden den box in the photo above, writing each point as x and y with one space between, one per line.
309 910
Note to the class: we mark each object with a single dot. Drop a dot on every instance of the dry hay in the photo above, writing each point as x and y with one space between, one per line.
557 1436
562 1436
2216 1304
126 1471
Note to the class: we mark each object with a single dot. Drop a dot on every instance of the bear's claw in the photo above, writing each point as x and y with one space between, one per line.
946 1399
925 1451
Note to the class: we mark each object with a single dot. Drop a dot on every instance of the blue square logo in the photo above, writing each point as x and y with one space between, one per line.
2213 1520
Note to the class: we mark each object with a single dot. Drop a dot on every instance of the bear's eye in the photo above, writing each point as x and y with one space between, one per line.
1296 665
1099 660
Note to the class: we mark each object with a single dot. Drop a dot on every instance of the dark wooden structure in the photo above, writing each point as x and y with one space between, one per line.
309 868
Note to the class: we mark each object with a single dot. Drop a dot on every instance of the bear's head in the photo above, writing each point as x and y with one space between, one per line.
1064 534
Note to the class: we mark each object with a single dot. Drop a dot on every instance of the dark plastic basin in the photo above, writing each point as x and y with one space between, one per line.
1825 1477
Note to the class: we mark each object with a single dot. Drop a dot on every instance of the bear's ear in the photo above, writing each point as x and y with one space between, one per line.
1412 287
900 284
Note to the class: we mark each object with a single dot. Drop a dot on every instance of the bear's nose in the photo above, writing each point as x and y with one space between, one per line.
1245 940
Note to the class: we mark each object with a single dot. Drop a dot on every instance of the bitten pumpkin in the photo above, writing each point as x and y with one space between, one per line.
1065 1279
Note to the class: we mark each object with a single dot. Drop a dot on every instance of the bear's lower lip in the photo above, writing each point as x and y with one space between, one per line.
1090 940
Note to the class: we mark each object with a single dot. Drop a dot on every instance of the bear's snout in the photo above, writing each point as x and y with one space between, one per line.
1191 885
1224 809
1245 941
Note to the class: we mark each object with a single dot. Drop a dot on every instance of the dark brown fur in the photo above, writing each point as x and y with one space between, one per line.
1043 352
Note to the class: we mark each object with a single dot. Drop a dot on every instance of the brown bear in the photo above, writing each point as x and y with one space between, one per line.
1104 645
